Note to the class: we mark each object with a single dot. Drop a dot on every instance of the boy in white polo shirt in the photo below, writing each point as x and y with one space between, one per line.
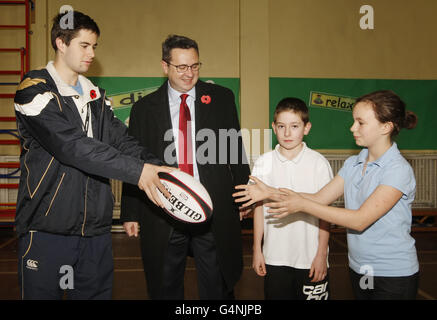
293 258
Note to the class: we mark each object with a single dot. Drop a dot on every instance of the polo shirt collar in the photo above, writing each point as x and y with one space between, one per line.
382 160
388 155
295 159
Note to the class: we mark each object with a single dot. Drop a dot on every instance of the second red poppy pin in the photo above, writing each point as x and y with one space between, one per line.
205 99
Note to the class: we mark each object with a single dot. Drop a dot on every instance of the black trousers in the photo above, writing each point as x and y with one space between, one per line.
384 288
50 265
210 281
287 283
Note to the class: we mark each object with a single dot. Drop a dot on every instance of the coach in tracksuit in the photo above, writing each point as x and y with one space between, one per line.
71 146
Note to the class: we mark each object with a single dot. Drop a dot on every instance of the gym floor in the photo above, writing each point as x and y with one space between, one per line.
129 282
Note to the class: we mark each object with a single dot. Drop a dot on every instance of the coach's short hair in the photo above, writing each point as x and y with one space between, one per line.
80 21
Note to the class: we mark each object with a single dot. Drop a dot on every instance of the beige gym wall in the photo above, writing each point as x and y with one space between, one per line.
131 35
322 39
132 32
251 40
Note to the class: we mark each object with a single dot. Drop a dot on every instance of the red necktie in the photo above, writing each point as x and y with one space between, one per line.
185 143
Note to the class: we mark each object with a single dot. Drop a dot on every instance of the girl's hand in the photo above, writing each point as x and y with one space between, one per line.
284 204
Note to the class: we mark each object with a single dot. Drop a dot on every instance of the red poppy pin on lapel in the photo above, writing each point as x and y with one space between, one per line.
93 94
205 99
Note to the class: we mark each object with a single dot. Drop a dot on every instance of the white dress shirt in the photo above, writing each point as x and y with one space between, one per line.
174 99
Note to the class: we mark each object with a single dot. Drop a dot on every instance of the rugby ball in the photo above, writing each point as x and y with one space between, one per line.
189 201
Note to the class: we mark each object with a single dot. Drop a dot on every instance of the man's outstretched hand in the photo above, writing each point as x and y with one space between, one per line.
149 181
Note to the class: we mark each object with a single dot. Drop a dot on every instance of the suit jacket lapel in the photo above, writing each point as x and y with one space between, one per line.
162 111
202 110
161 116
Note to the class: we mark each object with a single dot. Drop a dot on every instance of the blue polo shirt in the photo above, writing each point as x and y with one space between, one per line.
78 88
385 247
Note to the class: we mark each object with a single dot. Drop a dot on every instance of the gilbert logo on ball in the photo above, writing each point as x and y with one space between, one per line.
189 201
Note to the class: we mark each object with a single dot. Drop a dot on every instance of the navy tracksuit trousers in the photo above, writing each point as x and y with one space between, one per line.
51 265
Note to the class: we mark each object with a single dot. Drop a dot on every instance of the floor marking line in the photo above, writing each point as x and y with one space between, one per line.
426 295
7 243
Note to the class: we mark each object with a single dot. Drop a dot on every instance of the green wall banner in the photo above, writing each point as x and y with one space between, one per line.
330 103
125 91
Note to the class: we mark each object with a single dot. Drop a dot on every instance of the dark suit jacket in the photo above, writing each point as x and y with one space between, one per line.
149 122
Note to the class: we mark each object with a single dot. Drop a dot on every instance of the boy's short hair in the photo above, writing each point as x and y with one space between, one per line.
177 42
293 104
80 21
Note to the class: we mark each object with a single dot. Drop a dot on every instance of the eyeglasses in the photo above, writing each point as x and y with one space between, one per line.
184 68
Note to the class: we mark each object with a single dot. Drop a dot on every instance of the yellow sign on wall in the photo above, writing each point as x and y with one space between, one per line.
331 101
122 103
127 99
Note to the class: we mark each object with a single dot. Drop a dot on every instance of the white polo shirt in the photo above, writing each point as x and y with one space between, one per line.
292 241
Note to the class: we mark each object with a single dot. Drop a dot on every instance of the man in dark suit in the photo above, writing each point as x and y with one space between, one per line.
210 148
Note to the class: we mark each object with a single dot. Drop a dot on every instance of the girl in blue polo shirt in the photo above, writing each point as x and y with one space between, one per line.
379 187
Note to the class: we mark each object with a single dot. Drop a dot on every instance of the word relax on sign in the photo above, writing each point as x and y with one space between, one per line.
331 101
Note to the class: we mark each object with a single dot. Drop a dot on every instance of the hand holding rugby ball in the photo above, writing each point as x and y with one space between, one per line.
189 200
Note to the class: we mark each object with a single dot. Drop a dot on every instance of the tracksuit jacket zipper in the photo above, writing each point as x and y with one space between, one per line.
86 188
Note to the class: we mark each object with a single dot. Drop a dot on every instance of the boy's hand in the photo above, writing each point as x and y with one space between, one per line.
252 192
319 269
258 263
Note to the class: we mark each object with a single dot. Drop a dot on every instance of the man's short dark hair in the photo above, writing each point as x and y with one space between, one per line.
180 42
80 21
